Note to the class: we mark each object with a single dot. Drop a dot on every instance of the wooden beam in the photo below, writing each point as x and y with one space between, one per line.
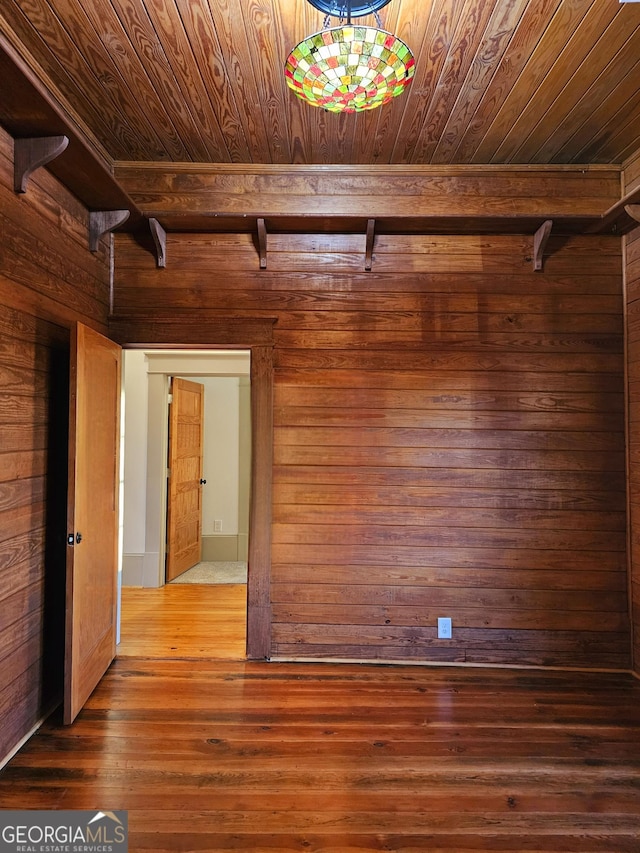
633 210
262 243
159 328
33 152
368 255
160 240
103 221
213 191
540 239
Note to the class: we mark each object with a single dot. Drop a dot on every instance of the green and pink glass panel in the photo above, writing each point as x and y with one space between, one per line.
349 68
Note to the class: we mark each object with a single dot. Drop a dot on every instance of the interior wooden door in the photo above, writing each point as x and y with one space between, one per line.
92 514
184 499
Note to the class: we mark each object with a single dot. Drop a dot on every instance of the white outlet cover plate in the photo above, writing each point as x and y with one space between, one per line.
444 628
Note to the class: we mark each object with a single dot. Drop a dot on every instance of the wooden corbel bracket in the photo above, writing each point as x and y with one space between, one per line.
101 222
160 240
368 252
540 239
633 210
262 244
31 153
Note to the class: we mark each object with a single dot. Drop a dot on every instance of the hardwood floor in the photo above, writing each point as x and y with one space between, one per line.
184 621
212 755
290 757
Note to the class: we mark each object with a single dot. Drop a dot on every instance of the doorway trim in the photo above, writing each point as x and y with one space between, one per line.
255 335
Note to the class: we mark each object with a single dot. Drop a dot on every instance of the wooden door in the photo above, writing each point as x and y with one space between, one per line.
92 514
184 499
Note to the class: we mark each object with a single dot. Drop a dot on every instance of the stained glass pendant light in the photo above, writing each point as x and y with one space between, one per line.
351 67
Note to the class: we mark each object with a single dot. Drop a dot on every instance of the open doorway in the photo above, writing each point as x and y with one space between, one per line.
186 617
212 482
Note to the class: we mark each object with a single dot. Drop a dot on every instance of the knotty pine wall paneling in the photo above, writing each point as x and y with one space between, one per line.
632 259
631 244
449 438
48 279
631 182
631 174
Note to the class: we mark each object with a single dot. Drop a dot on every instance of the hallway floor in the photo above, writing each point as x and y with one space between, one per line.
184 621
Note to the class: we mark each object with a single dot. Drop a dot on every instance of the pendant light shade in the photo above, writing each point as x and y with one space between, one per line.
348 9
349 68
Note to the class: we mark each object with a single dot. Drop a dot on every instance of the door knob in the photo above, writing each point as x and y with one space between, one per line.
203 482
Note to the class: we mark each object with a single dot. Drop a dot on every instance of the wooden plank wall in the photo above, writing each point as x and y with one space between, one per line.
632 241
449 438
631 176
48 279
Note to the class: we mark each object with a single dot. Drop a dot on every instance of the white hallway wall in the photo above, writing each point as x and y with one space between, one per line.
221 454
225 376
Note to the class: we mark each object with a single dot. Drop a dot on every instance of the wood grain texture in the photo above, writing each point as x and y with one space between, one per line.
186 190
449 437
93 514
184 491
523 81
632 258
48 279
260 511
426 200
520 54
631 174
261 757
581 26
195 621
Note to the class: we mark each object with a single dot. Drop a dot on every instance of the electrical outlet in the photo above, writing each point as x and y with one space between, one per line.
444 628
217 525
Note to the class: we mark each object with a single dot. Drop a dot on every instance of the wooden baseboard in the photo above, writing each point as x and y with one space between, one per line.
450 664
220 548
18 746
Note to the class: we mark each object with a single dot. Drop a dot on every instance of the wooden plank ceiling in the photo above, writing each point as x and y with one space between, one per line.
497 81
